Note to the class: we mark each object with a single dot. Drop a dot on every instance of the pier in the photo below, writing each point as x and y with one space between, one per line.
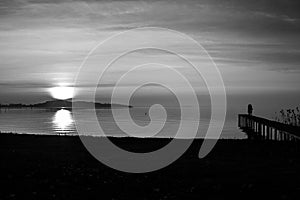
265 129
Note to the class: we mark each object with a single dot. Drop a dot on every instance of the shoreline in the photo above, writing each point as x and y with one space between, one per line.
111 136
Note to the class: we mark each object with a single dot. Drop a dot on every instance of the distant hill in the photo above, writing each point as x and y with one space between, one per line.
65 104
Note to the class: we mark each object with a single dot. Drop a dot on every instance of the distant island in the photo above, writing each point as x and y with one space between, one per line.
64 104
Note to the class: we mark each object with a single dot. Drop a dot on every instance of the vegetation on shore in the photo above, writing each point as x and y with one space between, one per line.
288 116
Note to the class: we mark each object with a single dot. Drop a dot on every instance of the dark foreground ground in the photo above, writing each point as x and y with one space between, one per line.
56 167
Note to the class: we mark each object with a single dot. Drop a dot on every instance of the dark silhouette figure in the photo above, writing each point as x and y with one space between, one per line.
250 109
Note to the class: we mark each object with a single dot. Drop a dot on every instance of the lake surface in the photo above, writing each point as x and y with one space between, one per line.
61 121
41 121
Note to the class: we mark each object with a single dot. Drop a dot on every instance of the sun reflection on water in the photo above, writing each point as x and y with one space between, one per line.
63 121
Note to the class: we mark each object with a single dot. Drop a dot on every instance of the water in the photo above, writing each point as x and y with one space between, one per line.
42 121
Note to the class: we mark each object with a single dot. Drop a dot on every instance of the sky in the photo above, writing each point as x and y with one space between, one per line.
255 44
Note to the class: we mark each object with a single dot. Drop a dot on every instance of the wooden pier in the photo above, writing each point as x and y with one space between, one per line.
264 129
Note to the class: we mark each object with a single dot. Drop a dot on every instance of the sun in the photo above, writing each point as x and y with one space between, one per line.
62 92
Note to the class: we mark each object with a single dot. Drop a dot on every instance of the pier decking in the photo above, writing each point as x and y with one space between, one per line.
261 128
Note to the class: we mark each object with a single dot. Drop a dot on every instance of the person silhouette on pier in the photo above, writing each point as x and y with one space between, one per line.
250 109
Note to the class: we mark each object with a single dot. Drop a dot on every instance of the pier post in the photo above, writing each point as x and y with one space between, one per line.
259 130
276 135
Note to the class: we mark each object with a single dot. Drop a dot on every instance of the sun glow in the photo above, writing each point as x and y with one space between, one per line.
62 92
62 120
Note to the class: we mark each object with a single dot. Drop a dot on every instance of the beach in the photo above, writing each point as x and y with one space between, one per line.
59 167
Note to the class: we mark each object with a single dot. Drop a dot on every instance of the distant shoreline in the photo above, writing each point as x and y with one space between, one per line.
67 104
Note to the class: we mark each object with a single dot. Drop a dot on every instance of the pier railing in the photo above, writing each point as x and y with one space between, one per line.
261 128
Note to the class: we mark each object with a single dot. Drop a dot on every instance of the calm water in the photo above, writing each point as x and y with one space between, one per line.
62 121
41 121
